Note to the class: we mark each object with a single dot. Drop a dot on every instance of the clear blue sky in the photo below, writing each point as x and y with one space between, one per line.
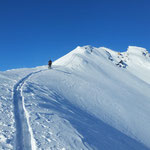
32 31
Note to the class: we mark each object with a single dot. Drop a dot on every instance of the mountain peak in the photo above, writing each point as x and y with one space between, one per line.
84 48
137 50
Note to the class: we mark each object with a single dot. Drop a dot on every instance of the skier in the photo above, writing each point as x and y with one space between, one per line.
49 64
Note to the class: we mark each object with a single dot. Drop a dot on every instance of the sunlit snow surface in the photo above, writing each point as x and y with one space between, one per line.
91 99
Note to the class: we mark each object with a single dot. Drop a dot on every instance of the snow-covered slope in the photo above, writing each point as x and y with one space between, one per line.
92 98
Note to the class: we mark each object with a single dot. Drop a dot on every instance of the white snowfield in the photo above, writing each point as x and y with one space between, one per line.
91 99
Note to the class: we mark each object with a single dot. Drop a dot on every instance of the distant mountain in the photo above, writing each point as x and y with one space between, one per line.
91 99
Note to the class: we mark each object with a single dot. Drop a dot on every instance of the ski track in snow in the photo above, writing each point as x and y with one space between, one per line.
24 135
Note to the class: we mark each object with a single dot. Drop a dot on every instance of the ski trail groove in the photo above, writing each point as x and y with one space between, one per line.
24 135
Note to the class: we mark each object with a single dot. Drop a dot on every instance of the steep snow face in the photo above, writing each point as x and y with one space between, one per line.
139 63
139 51
139 57
92 98
136 60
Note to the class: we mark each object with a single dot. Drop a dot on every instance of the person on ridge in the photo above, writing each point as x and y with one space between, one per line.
49 64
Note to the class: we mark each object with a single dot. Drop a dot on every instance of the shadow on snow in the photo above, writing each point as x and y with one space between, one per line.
95 132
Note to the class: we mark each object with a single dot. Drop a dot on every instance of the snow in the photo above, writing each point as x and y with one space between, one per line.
33 143
92 98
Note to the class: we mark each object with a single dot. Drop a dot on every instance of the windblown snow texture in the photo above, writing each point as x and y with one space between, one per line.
91 99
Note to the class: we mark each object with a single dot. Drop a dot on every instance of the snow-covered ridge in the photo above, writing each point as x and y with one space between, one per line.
105 52
92 98
80 56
